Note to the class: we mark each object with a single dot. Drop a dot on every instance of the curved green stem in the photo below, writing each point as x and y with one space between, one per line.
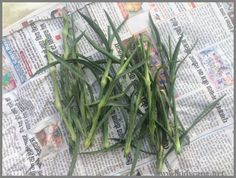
58 99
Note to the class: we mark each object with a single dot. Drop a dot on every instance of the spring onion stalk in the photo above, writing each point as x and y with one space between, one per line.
65 35
160 159
102 103
105 77
148 84
106 134
58 99
113 82
136 99
172 69
145 55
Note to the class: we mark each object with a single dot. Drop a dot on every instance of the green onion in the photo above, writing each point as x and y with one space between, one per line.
75 102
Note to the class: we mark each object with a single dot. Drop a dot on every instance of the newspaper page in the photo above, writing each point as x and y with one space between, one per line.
206 75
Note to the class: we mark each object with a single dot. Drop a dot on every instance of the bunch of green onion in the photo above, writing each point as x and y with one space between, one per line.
83 115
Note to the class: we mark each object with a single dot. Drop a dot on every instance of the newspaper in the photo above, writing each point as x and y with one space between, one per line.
206 75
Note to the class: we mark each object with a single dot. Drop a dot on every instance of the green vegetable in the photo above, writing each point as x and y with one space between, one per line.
84 115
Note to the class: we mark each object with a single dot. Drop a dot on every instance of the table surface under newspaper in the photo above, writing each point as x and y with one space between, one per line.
206 75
